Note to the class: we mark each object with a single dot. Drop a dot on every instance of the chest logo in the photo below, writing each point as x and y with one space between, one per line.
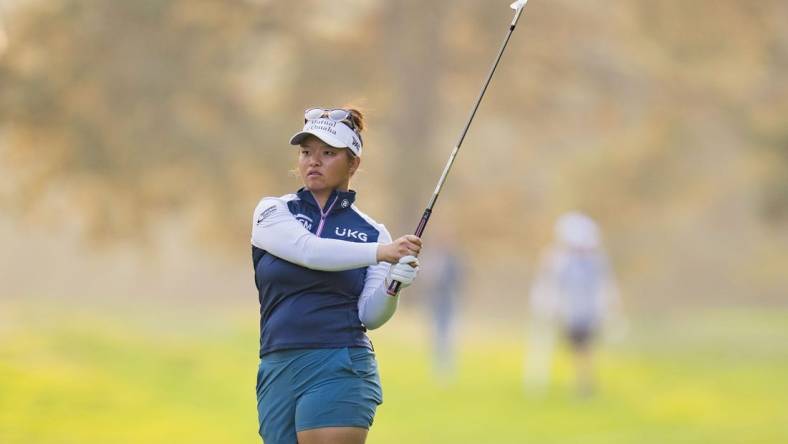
305 220
352 234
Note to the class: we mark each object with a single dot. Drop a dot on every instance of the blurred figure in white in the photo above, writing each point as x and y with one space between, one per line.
574 289
442 287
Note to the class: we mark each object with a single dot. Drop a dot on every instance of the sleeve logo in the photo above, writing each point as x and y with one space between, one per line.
267 212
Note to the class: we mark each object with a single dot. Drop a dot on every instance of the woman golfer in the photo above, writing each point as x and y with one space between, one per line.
322 268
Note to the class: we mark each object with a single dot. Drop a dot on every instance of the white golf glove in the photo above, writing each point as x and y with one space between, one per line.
403 272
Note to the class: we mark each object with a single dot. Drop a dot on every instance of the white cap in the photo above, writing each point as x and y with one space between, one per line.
577 230
336 134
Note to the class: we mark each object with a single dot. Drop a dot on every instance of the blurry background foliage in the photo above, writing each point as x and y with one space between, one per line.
664 120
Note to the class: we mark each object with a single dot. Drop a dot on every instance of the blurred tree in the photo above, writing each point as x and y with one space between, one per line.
130 107
413 44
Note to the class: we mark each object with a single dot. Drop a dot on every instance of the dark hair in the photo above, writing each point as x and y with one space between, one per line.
357 116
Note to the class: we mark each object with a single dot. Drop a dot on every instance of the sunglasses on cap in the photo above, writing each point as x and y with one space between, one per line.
337 115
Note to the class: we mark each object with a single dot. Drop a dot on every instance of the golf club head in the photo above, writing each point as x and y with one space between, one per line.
519 4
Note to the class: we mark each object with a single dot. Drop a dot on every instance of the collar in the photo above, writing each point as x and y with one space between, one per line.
343 199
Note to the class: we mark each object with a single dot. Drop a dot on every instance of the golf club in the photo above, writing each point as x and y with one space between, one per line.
518 7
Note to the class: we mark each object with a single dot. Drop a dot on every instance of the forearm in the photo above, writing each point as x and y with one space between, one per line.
376 308
316 253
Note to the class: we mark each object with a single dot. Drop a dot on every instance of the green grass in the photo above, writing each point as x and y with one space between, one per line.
76 377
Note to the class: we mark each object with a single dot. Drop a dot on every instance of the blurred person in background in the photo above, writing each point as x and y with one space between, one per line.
574 290
322 268
442 286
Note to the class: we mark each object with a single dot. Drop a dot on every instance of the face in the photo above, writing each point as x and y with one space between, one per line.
323 167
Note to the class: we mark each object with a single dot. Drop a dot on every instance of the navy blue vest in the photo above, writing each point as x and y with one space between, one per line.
303 308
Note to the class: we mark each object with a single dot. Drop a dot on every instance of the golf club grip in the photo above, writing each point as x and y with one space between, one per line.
393 289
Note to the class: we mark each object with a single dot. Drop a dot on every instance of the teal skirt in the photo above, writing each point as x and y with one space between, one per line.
312 388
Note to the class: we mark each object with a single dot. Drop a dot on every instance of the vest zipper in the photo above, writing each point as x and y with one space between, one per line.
323 216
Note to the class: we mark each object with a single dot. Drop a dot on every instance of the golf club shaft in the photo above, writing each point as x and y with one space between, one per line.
394 287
